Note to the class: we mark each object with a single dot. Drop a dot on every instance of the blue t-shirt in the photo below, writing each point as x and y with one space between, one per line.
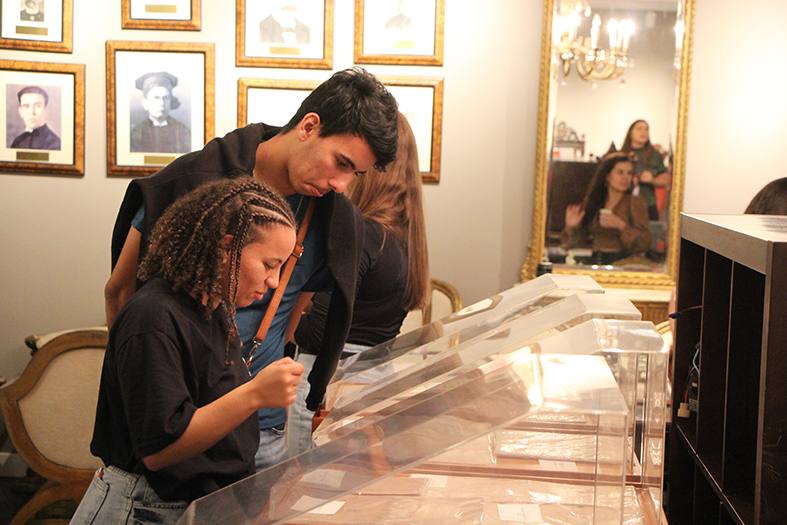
310 274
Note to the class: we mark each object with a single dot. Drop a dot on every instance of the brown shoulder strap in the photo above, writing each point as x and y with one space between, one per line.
285 277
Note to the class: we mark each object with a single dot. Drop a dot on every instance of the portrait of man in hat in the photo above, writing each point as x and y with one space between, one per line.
32 11
282 26
158 132
34 110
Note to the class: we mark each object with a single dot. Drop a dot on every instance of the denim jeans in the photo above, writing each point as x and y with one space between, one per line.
299 418
116 497
272 449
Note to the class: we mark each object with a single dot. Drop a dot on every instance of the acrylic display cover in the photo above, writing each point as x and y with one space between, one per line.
473 320
399 468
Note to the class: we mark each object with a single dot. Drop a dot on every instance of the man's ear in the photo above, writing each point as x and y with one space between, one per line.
309 124
226 242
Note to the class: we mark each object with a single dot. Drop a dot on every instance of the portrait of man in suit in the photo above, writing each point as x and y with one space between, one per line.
158 131
34 110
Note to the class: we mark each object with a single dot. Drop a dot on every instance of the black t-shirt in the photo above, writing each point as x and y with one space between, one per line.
163 361
378 312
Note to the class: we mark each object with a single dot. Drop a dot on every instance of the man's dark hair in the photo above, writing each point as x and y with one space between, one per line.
354 102
33 89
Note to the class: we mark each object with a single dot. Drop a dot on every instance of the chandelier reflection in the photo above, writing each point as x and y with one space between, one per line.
592 62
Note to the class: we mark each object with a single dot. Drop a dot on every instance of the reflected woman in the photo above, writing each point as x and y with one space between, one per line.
614 220
648 164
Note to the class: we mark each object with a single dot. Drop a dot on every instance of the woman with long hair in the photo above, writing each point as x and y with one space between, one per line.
649 168
613 220
177 409
393 274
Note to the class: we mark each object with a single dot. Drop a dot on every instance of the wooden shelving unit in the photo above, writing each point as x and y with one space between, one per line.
728 458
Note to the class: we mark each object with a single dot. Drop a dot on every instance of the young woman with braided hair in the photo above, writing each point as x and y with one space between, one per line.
177 409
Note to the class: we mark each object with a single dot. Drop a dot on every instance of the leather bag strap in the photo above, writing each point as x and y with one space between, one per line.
296 254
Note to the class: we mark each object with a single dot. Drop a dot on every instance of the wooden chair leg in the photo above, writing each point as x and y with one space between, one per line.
50 493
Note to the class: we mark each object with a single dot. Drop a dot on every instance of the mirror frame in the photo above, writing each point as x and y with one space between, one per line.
627 279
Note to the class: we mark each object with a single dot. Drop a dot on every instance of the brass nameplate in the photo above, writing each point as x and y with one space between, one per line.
158 160
161 9
31 156
401 44
27 30
281 50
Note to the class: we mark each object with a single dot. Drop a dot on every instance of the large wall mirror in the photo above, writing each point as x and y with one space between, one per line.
614 84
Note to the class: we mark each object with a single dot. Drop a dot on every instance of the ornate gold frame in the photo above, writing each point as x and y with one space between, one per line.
113 169
193 24
38 168
400 59
65 46
433 175
242 60
244 84
537 238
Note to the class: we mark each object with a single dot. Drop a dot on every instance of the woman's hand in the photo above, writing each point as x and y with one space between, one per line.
574 214
277 383
607 219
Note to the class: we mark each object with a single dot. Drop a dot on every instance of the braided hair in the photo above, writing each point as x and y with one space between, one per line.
186 242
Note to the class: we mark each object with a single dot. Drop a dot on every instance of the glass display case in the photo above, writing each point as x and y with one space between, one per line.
409 467
471 321
391 361
634 351
551 411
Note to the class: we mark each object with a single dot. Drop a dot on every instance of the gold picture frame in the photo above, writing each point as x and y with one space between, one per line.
135 147
48 30
272 102
421 101
51 142
262 41
412 36
169 15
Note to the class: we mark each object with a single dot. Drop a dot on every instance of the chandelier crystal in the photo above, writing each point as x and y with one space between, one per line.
591 61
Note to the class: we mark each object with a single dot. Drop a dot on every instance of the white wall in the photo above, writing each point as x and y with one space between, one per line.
738 108
55 231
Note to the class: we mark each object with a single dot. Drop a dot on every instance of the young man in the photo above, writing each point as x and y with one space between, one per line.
345 126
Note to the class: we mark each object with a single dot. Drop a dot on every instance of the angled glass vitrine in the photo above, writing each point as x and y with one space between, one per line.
467 323
533 323
409 467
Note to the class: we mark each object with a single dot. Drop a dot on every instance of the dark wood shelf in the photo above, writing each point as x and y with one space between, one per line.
727 463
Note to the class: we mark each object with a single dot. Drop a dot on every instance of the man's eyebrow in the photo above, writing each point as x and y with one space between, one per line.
348 160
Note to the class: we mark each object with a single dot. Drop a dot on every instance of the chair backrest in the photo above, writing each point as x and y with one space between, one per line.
445 301
50 409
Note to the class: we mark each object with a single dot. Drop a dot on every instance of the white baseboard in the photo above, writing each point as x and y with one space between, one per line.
11 465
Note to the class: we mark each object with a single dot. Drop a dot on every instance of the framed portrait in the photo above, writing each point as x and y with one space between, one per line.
284 33
171 15
421 102
159 104
44 118
400 32
37 25
272 102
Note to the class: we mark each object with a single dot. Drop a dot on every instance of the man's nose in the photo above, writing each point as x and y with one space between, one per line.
339 184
